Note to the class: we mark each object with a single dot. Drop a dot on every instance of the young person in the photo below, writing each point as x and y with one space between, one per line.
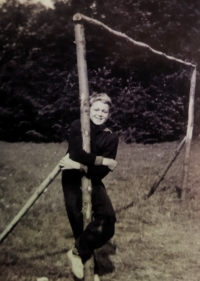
95 165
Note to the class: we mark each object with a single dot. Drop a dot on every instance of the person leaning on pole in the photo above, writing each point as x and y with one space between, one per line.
95 165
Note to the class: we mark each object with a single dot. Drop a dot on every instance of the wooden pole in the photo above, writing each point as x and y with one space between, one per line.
189 130
85 128
168 165
30 202
136 43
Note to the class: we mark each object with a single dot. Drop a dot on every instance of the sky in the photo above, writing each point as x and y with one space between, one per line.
47 3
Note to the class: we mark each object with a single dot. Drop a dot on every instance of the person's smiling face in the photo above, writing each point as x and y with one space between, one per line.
99 112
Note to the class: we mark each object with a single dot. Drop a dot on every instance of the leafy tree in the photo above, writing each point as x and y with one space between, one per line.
39 84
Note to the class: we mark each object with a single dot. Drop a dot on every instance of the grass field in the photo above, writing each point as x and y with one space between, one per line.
156 239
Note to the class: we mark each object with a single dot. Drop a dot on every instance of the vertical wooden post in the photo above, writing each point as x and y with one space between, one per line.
189 130
85 128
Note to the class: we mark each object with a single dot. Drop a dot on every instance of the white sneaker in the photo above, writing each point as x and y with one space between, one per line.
75 264
96 277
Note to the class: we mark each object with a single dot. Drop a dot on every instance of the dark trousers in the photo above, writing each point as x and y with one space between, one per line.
101 228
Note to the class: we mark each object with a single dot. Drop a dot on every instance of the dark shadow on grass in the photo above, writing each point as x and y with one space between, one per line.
178 191
105 265
131 204
42 256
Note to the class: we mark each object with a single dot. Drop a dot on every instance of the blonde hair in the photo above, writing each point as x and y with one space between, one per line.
100 97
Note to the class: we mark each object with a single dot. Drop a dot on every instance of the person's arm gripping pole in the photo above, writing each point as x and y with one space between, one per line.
85 129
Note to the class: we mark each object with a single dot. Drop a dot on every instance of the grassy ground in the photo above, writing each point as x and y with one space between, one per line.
156 239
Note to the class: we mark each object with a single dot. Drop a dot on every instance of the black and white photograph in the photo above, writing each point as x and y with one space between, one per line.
99 140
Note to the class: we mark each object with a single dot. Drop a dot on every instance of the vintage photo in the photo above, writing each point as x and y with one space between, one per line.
99 140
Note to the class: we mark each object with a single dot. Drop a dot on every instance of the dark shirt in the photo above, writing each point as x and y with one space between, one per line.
103 143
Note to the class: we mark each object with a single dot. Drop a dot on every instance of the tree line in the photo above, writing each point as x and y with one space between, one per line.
38 74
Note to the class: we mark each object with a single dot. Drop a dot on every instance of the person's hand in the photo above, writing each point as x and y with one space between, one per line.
110 163
67 164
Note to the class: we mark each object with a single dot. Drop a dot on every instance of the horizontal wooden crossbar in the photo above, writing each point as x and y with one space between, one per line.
136 43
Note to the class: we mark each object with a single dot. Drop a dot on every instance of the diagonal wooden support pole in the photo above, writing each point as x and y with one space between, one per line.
163 173
30 202
85 128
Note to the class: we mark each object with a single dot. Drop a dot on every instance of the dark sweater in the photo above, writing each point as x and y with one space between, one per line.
103 143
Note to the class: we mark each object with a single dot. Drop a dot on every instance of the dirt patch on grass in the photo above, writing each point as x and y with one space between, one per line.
155 239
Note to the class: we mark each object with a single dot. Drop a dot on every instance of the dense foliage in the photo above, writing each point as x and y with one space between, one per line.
39 83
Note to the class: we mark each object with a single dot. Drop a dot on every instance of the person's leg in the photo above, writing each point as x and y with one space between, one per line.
73 202
97 233
101 229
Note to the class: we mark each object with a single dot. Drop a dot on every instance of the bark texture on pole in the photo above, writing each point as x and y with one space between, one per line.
30 202
85 128
189 130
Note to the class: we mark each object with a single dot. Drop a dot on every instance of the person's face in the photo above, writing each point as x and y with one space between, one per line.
99 112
